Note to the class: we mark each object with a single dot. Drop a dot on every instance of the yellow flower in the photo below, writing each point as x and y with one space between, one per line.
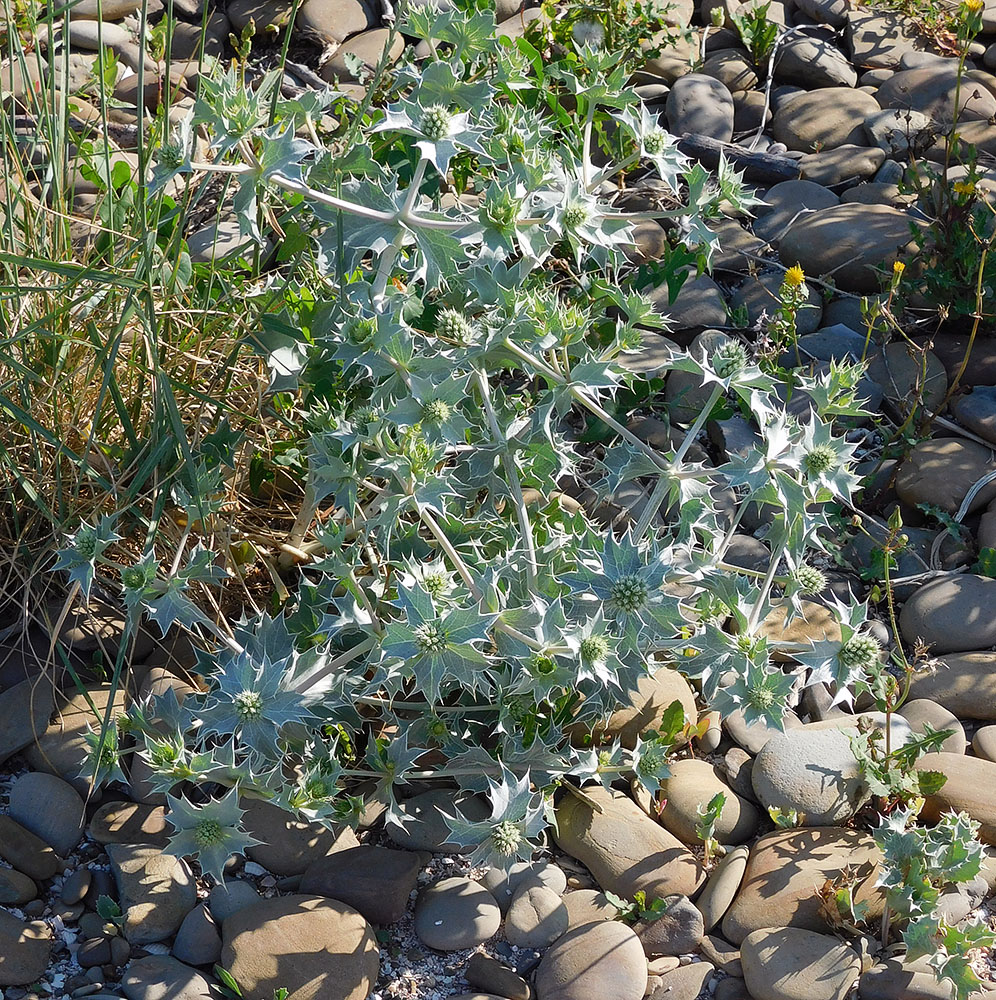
963 187
794 276
973 6
898 267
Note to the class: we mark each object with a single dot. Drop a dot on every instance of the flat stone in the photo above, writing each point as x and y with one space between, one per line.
75 887
880 39
969 787
700 105
813 773
160 977
623 848
504 885
693 783
976 411
644 708
586 906
932 90
722 954
677 931
786 867
941 471
733 69
722 887
684 983
62 748
845 164
919 712
374 880
485 973
130 823
964 683
229 898
898 132
699 304
894 980
737 246
789 963
824 119
984 743
49 807
155 891
313 947
854 244
952 614
787 201
25 710
288 845
333 21
753 736
594 961
813 62
198 941
535 918
16 888
368 47
26 852
456 913
421 826
832 12
24 950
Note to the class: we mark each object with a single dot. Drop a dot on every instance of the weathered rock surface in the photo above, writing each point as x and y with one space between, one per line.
595 960
789 963
969 787
785 869
316 948
623 848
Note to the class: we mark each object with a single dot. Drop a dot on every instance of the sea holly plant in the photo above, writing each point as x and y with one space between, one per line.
463 355
918 863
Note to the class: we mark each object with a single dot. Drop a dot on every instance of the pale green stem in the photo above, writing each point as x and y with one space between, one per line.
653 505
769 579
341 660
692 432
589 121
390 255
514 483
461 567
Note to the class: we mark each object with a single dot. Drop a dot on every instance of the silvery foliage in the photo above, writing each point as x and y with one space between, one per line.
918 864
450 630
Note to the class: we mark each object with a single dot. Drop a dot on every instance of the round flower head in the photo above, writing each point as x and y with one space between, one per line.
809 580
860 651
729 359
435 122
656 142
575 216
453 325
435 411
821 459
794 276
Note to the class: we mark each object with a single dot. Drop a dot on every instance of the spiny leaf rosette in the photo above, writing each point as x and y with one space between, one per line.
466 617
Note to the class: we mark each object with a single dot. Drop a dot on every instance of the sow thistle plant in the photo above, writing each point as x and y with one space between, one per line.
445 629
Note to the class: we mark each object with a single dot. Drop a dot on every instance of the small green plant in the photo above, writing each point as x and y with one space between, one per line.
229 987
109 911
786 819
638 911
985 564
758 33
705 827
918 863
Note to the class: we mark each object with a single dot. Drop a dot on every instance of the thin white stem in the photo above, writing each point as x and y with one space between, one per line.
661 488
589 121
388 257
341 660
692 432
611 170
769 579
514 483
461 567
